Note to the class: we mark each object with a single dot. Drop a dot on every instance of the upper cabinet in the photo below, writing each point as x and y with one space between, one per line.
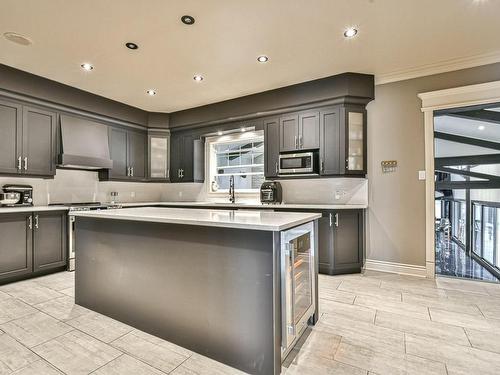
127 149
299 131
271 147
187 158
331 148
27 140
355 129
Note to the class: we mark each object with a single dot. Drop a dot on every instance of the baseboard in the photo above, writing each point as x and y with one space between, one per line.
400 268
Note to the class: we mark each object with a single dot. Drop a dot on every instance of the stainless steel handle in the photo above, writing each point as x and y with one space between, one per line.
330 217
182 173
336 219
295 141
132 171
347 163
276 167
36 221
19 163
128 171
300 141
25 163
322 165
168 173
30 222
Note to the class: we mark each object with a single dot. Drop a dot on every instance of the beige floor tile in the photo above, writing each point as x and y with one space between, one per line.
127 365
364 334
13 308
30 292
420 288
321 342
461 285
397 307
337 296
329 282
389 364
309 364
352 311
458 359
68 292
464 320
100 326
493 289
443 303
35 329
76 353
38 368
421 327
370 290
484 340
490 309
200 365
158 356
57 281
4 296
62 308
163 343
13 355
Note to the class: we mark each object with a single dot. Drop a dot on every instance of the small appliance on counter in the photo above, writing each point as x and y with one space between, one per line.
270 192
24 194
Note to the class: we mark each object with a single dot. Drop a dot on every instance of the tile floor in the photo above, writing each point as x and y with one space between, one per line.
374 323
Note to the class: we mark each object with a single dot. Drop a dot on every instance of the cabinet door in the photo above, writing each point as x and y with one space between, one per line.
118 152
309 130
137 154
187 161
325 244
39 142
272 149
10 137
16 245
355 143
50 240
289 133
331 146
175 157
158 156
348 241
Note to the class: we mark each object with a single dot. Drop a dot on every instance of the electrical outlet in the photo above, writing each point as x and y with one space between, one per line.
421 175
180 194
132 194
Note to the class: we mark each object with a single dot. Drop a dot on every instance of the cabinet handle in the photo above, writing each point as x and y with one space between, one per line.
330 216
276 167
182 173
178 173
36 221
322 166
132 171
347 163
168 173
25 163
337 219
300 141
295 141
30 222
19 162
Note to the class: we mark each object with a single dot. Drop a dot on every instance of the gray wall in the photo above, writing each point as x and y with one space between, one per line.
396 215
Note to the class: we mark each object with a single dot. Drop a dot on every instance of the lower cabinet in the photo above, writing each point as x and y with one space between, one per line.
341 242
33 243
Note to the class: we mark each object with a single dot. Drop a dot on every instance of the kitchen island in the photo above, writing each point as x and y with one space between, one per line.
236 286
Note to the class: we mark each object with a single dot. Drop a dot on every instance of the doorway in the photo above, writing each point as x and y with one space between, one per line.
467 192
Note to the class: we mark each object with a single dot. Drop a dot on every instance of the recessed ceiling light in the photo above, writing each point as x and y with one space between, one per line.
481 127
198 78
262 58
87 67
187 20
350 32
151 92
219 133
131 45
17 38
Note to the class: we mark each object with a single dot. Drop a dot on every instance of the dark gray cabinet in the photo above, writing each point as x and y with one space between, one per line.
49 240
10 137
331 148
341 242
187 162
299 131
271 149
127 149
16 256
34 243
27 140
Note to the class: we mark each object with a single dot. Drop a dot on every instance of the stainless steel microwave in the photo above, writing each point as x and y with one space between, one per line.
304 163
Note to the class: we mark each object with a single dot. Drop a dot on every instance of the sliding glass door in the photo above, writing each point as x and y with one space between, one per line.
486 242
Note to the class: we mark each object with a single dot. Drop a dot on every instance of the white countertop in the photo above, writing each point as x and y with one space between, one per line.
6 210
256 220
253 205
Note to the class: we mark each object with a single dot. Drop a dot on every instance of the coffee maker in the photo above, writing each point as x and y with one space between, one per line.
25 194
270 192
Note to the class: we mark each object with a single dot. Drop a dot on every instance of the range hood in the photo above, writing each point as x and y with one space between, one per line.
84 144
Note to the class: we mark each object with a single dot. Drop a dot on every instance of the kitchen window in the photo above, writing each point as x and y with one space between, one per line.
238 155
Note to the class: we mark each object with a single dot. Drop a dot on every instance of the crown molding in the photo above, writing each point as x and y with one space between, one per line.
439 67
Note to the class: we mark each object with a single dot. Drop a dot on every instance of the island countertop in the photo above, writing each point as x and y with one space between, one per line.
253 220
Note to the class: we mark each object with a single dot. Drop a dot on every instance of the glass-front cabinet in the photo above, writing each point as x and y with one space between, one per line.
158 155
355 142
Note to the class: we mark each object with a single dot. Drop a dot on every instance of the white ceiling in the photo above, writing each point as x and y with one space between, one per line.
302 38
478 129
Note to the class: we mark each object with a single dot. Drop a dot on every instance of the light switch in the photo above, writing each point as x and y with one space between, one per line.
421 175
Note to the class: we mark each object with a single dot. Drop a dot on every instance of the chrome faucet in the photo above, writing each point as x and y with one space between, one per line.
231 189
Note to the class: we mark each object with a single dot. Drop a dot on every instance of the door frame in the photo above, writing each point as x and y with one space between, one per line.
484 93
